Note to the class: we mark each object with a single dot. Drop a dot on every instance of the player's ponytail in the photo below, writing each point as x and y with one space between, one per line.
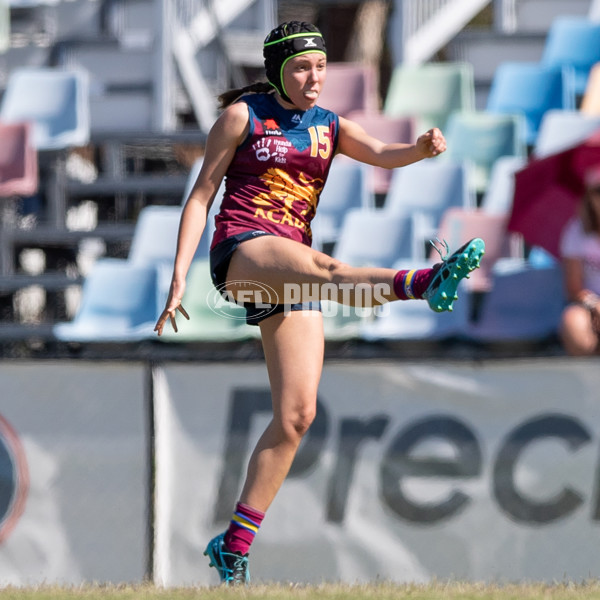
230 96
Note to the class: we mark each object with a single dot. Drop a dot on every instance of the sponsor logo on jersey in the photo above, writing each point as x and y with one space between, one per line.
272 127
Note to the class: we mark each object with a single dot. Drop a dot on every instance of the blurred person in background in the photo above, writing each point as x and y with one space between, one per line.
580 253
274 145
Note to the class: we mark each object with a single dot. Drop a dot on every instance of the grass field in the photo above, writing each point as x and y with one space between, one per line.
383 591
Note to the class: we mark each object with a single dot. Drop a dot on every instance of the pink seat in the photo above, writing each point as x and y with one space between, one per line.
458 226
387 129
349 86
18 161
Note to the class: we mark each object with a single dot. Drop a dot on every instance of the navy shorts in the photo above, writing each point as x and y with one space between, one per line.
220 257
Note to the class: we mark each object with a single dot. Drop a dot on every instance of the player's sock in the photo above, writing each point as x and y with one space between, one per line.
242 528
411 285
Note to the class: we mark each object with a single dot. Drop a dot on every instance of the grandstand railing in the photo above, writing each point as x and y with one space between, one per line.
428 25
191 26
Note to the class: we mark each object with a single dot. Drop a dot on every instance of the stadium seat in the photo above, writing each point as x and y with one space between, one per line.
348 186
119 304
424 191
562 129
55 101
590 103
524 304
458 226
430 93
18 161
374 238
498 197
531 89
480 138
120 77
389 130
414 320
342 322
350 87
573 41
212 318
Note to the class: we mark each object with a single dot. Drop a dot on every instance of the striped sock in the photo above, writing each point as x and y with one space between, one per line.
242 528
411 285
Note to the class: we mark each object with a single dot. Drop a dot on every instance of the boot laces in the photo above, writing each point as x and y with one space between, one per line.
444 251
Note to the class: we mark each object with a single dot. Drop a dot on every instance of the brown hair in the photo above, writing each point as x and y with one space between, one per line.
230 96
589 215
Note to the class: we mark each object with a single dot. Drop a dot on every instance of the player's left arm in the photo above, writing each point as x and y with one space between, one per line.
356 143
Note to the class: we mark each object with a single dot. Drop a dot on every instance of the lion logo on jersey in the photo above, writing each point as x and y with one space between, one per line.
277 205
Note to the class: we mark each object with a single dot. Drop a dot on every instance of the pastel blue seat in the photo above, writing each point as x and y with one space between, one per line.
423 192
573 41
119 303
524 304
348 186
532 90
55 101
480 138
374 238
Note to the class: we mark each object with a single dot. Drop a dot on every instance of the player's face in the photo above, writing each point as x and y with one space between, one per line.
304 77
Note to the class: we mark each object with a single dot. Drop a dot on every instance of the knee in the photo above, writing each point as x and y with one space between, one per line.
295 423
577 333
331 268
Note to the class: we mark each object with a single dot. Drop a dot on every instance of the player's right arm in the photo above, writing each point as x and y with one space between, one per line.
229 130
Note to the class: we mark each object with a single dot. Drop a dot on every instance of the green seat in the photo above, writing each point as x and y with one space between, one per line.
480 138
211 317
430 93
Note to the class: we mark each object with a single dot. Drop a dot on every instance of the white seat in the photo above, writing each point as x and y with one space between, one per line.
498 197
563 129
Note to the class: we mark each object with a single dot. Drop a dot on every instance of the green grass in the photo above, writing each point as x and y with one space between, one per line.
381 591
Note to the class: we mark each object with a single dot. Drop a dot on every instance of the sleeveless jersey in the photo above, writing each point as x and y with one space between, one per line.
276 176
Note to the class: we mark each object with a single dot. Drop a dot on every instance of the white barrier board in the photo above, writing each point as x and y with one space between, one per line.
410 472
73 498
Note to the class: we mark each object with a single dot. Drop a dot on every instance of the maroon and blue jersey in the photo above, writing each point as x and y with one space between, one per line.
276 176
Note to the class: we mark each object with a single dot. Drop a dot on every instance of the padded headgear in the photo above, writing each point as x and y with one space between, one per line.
286 41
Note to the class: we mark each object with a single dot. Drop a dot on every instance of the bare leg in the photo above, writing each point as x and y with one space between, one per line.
279 262
577 332
293 347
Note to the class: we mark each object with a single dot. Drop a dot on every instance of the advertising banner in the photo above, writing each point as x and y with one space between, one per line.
473 471
73 473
